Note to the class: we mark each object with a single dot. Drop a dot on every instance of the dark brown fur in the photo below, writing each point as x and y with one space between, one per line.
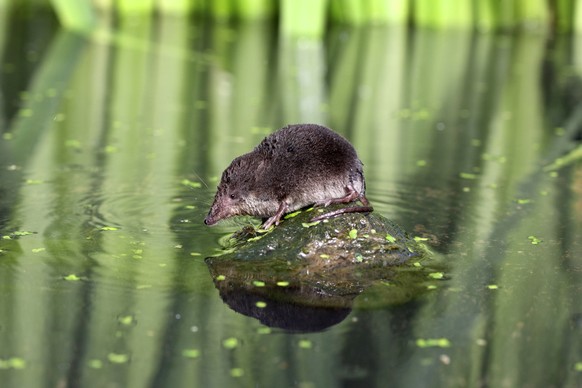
299 165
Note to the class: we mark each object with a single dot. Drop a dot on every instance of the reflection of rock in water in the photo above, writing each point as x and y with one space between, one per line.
304 277
284 314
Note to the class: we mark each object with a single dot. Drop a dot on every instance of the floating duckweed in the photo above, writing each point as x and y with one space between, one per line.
125 320
309 224
191 353
37 250
282 283
21 233
467 175
258 283
108 228
418 238
534 240
324 256
436 275
353 234
264 330
305 344
189 183
359 258
431 287
220 278
291 215
417 264
13 363
195 254
237 372
117 358
255 238
433 342
95 363
523 201
493 286
230 343
390 238
260 304
190 207
72 278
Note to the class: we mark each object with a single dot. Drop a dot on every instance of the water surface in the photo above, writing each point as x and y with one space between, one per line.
112 147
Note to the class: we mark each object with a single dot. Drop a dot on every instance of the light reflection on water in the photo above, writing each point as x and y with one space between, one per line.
114 172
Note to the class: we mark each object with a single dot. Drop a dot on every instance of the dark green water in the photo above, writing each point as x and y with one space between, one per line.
110 152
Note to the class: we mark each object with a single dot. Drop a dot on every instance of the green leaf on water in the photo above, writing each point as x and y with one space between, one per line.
260 304
264 330
125 320
324 256
468 175
534 240
390 238
305 344
72 278
38 250
21 233
118 358
353 234
95 363
282 283
258 283
433 343
220 278
108 228
436 275
578 366
493 287
12 363
191 353
309 224
237 372
230 343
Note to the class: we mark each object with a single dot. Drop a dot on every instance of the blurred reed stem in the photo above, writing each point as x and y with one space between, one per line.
310 17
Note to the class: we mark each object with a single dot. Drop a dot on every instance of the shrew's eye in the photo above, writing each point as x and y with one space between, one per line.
232 196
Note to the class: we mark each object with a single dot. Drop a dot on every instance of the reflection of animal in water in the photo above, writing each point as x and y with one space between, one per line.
288 315
297 166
